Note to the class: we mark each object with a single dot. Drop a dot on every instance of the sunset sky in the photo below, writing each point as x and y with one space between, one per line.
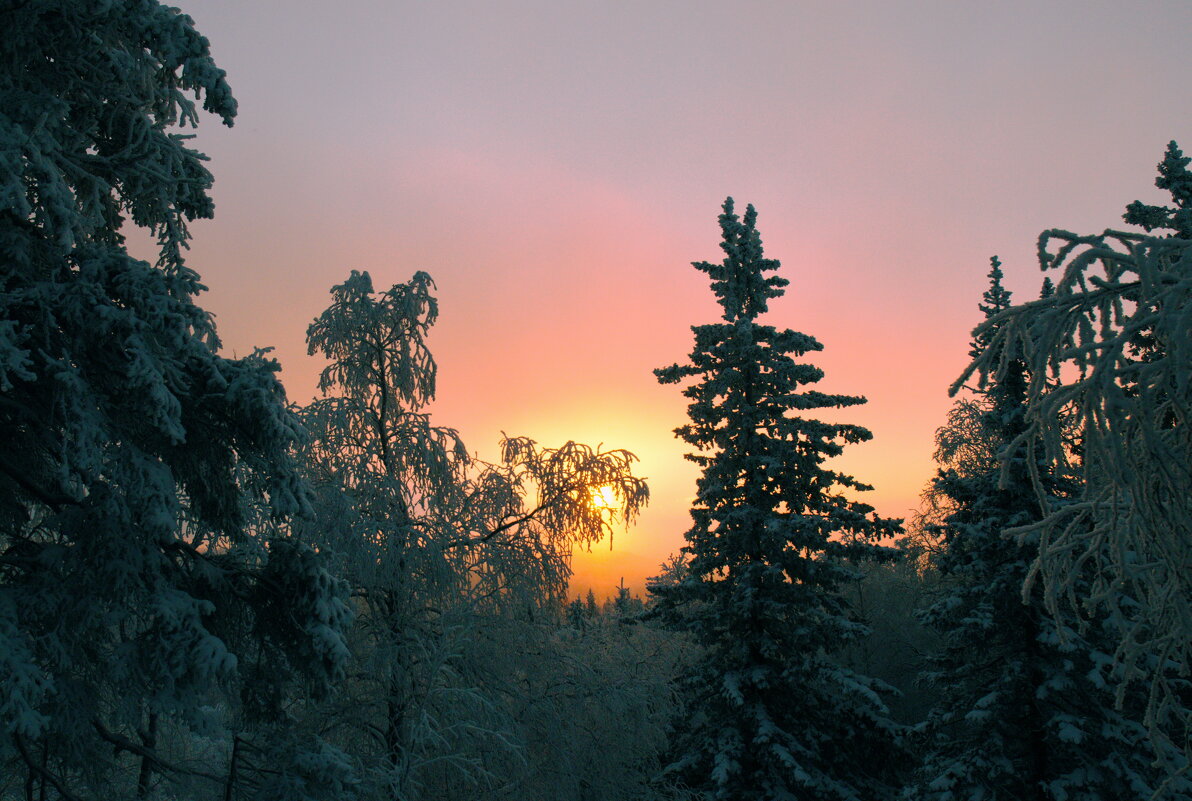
557 165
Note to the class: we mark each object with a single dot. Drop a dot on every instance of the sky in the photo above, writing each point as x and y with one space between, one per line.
556 166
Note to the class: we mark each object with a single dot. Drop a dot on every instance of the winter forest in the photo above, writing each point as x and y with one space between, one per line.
211 591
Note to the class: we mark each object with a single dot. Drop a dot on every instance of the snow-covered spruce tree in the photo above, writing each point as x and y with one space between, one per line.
1023 710
132 457
450 558
1115 330
770 714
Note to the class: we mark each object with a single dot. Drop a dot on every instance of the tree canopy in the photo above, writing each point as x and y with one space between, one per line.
1115 332
445 553
146 482
1022 709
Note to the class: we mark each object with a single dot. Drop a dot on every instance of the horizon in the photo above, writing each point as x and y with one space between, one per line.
556 169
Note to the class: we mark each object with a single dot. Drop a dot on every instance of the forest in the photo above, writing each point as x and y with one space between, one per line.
209 592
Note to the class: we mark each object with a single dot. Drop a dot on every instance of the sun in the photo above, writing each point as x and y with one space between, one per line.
605 497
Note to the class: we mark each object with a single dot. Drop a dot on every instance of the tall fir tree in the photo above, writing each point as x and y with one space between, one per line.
1023 711
770 713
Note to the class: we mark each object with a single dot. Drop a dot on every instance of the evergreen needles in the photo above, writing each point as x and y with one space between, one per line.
771 714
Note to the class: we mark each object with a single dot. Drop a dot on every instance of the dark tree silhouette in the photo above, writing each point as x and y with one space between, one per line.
771 714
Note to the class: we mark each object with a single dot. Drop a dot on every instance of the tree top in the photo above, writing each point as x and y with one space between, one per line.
739 282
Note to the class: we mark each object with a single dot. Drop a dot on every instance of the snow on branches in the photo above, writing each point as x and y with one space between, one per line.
1110 358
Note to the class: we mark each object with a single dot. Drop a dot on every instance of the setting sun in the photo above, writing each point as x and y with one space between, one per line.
605 498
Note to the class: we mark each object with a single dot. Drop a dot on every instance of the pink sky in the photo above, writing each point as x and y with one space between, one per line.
557 165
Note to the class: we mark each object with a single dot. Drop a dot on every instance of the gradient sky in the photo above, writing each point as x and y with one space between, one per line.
557 165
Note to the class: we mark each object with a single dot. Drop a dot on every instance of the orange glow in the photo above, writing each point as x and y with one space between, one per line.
557 189
605 498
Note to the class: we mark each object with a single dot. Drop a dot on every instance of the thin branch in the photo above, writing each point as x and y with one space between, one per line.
122 743
45 774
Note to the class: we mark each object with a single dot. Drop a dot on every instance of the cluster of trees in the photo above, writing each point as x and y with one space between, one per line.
1055 535
208 593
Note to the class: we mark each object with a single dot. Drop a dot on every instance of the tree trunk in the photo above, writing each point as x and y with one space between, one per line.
149 740
230 784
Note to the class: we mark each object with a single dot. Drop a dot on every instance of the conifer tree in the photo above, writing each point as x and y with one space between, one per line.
1115 331
1175 178
1023 709
146 482
770 714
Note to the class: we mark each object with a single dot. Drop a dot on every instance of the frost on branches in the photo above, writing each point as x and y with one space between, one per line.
770 712
137 465
1023 710
450 558
1107 405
